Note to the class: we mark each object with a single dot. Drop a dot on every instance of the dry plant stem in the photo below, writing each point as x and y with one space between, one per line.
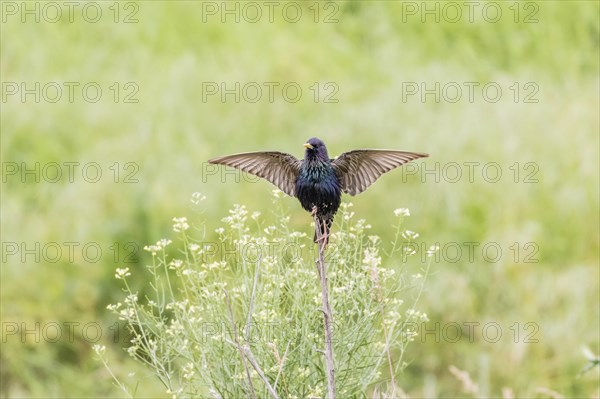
327 318
245 352
237 343
283 359
254 364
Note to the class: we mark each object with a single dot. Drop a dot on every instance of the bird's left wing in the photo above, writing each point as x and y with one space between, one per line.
358 169
279 168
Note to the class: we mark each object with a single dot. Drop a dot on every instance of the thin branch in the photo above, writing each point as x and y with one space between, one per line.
254 364
237 343
281 363
327 317
246 353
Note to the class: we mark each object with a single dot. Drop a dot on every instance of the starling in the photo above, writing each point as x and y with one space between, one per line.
318 181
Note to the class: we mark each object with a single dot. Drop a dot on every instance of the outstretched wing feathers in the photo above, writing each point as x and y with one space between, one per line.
358 169
279 168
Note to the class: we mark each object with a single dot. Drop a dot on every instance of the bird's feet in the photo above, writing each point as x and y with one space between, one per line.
322 237
323 240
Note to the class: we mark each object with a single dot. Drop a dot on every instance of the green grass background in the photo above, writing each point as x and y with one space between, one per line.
368 54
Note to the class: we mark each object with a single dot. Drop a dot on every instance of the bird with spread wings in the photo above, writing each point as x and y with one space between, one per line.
318 181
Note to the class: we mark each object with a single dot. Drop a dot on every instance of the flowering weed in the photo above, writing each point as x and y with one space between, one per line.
239 316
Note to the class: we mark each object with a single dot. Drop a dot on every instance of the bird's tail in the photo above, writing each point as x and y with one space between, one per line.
325 228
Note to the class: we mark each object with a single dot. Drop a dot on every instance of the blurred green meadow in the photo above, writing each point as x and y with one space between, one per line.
108 119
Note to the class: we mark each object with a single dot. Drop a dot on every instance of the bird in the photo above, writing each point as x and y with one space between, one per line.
318 181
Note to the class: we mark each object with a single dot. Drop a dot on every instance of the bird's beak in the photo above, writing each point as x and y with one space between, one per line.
308 146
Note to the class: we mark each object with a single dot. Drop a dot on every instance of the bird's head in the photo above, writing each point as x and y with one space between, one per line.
315 148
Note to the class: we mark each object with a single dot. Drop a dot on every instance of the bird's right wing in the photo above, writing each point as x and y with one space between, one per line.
279 168
358 169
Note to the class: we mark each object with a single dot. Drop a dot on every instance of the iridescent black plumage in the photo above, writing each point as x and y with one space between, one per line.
318 186
318 181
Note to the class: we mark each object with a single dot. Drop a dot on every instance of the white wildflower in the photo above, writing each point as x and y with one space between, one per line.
409 251
197 198
402 212
152 249
163 242
371 257
131 298
180 224
432 250
114 307
176 264
126 314
188 371
122 273
410 235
